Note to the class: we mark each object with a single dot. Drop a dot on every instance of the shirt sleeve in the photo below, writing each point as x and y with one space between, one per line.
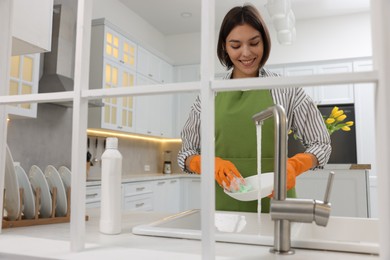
306 121
190 136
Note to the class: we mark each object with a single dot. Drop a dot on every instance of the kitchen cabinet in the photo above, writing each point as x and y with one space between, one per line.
304 71
93 196
349 195
191 193
166 194
184 101
24 79
154 113
138 196
31 26
153 67
112 65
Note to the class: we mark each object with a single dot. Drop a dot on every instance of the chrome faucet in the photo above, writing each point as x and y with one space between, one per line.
284 210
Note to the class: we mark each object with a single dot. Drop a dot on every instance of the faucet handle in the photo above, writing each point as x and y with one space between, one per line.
329 187
322 209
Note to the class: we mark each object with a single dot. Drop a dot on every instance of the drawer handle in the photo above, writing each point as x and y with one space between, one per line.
173 181
161 182
140 189
150 75
92 195
139 204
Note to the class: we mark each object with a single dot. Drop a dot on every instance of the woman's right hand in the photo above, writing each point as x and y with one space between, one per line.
226 173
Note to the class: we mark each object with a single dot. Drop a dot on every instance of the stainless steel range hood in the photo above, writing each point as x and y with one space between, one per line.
58 67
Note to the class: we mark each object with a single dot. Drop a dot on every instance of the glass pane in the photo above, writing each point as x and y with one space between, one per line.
13 88
130 102
113 115
131 51
115 53
114 101
15 62
124 117
109 37
125 79
126 58
116 41
131 61
131 80
108 74
114 76
126 47
26 89
108 50
130 119
27 69
25 106
106 114
124 102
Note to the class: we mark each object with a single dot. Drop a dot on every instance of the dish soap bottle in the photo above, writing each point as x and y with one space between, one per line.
111 198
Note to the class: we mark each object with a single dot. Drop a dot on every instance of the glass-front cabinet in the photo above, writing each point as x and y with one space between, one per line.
24 75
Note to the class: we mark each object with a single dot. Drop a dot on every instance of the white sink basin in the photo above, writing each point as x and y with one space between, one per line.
342 234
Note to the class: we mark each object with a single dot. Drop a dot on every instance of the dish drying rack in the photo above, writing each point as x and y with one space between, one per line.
20 221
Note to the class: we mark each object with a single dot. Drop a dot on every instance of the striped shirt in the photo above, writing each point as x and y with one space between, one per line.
304 119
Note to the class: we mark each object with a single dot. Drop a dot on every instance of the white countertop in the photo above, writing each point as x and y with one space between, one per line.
52 241
146 177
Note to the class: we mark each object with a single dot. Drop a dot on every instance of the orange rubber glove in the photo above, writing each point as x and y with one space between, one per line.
225 171
297 165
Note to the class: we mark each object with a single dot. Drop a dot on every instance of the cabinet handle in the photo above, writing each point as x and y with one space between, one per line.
139 205
119 127
140 189
173 181
92 195
121 61
150 75
160 182
149 132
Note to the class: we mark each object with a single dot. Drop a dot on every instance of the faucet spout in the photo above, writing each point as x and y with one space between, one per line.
284 211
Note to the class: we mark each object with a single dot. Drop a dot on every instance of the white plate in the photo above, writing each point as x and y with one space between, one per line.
54 180
267 186
38 180
28 195
11 186
65 176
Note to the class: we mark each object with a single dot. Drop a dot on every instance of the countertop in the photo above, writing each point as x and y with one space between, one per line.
146 177
52 242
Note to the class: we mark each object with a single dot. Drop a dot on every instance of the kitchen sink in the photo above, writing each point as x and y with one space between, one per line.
360 235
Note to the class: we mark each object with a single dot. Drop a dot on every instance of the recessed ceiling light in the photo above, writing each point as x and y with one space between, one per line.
186 14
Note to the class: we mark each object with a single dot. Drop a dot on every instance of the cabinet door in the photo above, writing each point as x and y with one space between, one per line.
191 193
148 65
154 112
304 71
118 112
336 94
93 196
24 80
120 49
166 194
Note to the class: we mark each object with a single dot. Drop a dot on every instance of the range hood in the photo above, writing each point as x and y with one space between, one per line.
58 66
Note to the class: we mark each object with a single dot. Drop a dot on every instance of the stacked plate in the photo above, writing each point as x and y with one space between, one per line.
16 178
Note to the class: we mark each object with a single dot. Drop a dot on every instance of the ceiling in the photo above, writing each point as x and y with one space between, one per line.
165 15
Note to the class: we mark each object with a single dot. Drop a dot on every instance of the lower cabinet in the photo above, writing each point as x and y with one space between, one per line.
171 195
191 195
93 196
166 197
138 196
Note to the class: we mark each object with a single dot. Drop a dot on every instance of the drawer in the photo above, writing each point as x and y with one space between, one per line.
139 203
93 194
137 188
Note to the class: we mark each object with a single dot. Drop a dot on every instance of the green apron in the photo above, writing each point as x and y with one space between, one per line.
236 141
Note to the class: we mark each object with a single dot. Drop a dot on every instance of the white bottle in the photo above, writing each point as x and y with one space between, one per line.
111 197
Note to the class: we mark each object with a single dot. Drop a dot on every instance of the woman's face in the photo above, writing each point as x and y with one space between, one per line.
245 48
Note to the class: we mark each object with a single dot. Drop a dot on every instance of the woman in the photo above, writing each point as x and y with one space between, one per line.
244 46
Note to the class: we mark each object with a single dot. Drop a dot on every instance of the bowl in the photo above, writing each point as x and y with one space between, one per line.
267 186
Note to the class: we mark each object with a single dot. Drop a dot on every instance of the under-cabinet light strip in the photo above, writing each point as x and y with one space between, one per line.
104 133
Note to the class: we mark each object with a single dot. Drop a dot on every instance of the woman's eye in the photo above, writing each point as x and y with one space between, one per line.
255 43
235 46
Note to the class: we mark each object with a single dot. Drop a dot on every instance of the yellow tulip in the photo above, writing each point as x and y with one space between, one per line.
329 120
290 131
341 118
334 110
346 128
349 123
338 113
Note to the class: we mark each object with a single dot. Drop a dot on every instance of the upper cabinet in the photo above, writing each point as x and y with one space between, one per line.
153 67
112 65
31 26
322 95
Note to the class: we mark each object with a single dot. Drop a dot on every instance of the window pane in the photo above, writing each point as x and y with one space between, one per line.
27 69
13 88
15 62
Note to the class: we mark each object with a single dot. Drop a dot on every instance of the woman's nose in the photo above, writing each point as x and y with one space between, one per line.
246 50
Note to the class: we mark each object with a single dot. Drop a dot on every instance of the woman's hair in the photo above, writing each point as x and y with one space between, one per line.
240 15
